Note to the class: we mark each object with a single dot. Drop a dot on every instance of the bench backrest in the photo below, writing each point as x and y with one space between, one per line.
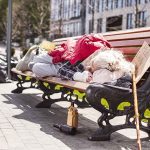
128 41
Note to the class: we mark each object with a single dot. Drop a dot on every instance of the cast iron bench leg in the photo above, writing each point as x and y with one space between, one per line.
20 84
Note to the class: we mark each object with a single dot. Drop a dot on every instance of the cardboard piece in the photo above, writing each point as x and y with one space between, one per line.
142 61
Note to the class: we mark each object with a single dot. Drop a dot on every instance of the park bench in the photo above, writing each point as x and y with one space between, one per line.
129 42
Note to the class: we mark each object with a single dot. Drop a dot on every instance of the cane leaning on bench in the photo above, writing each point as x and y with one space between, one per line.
129 42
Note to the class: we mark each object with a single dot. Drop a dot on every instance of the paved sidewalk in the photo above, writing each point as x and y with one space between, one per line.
24 127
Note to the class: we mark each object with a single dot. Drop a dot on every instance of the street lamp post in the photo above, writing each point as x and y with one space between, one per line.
9 34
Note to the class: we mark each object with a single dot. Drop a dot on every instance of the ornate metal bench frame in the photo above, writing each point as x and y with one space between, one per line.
49 89
114 101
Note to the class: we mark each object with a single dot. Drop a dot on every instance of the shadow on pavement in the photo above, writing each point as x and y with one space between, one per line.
56 114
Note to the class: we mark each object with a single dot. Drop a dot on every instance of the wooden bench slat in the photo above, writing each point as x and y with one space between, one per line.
117 35
25 73
129 43
128 50
129 57
128 31
116 38
81 86
144 35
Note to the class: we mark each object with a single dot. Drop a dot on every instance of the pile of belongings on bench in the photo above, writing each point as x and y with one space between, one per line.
89 59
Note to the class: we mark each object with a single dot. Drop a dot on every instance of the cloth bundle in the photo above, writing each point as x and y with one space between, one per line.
77 51
108 65
109 59
32 52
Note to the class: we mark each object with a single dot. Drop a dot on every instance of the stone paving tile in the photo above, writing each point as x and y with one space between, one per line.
30 141
48 147
3 120
15 145
24 127
33 146
6 126
1 133
3 143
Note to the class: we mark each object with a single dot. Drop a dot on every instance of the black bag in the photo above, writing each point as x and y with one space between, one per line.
3 75
3 68
125 81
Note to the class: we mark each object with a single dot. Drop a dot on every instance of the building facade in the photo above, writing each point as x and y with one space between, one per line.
112 15
67 17
76 17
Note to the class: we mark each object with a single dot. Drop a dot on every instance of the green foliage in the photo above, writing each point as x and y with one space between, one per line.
38 15
30 18
3 18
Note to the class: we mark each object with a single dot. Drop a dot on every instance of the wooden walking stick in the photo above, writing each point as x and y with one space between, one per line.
136 111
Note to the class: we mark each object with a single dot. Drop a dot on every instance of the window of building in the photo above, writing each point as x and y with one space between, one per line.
67 29
129 3
109 4
146 1
99 25
120 3
106 5
70 8
90 5
72 29
65 9
142 1
129 21
100 5
79 28
115 3
73 8
141 19
78 7
114 23
55 10
75 28
64 30
90 26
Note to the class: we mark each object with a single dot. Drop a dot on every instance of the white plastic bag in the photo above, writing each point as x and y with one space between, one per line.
23 63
